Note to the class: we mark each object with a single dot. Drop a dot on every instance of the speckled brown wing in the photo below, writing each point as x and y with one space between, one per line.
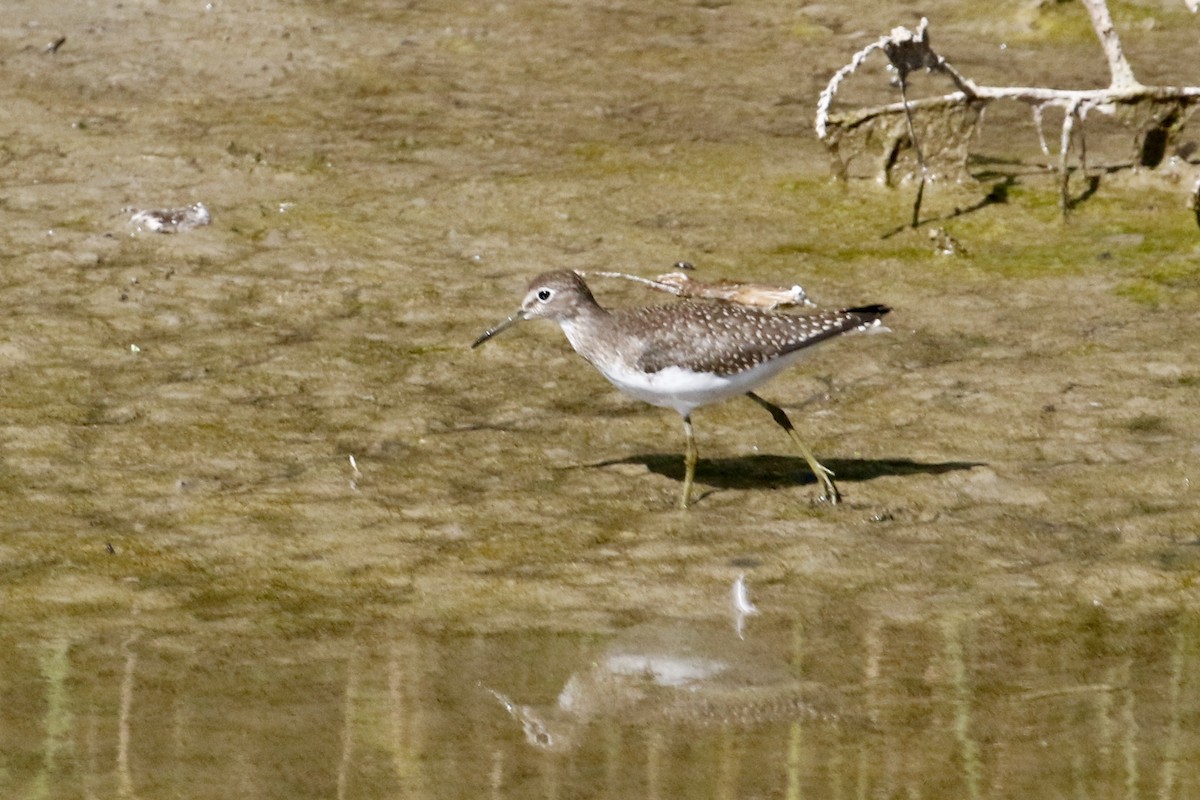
725 339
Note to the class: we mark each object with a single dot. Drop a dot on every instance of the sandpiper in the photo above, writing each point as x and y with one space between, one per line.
687 355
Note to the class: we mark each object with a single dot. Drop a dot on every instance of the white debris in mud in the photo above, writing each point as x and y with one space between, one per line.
170 220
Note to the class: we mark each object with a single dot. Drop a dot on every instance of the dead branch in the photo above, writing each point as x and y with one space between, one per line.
1159 112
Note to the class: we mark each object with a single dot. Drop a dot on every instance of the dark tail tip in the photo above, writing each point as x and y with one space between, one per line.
874 311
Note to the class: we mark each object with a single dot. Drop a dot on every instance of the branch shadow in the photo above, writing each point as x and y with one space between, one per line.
997 195
776 472
1091 185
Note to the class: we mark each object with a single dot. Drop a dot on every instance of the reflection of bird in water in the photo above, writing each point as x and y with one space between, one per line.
689 675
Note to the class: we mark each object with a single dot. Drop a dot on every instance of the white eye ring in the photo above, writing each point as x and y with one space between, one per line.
544 294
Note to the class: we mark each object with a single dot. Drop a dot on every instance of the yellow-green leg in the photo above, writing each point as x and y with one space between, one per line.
689 462
824 475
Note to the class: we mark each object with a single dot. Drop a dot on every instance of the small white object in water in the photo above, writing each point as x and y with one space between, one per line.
742 607
171 220
741 597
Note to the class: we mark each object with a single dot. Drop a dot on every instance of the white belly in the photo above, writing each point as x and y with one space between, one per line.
684 390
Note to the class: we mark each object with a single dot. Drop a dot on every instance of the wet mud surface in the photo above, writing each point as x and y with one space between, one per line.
254 466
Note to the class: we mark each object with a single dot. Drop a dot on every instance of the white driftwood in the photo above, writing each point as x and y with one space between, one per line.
754 295
910 50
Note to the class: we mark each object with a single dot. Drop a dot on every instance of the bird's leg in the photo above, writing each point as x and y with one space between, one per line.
824 475
689 461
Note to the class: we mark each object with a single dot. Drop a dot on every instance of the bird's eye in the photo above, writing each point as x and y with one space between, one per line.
544 294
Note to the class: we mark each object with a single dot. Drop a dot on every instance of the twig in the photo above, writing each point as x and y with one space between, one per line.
1118 65
1064 150
912 136
754 295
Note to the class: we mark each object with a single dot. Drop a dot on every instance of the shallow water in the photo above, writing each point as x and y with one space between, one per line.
271 529
887 695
